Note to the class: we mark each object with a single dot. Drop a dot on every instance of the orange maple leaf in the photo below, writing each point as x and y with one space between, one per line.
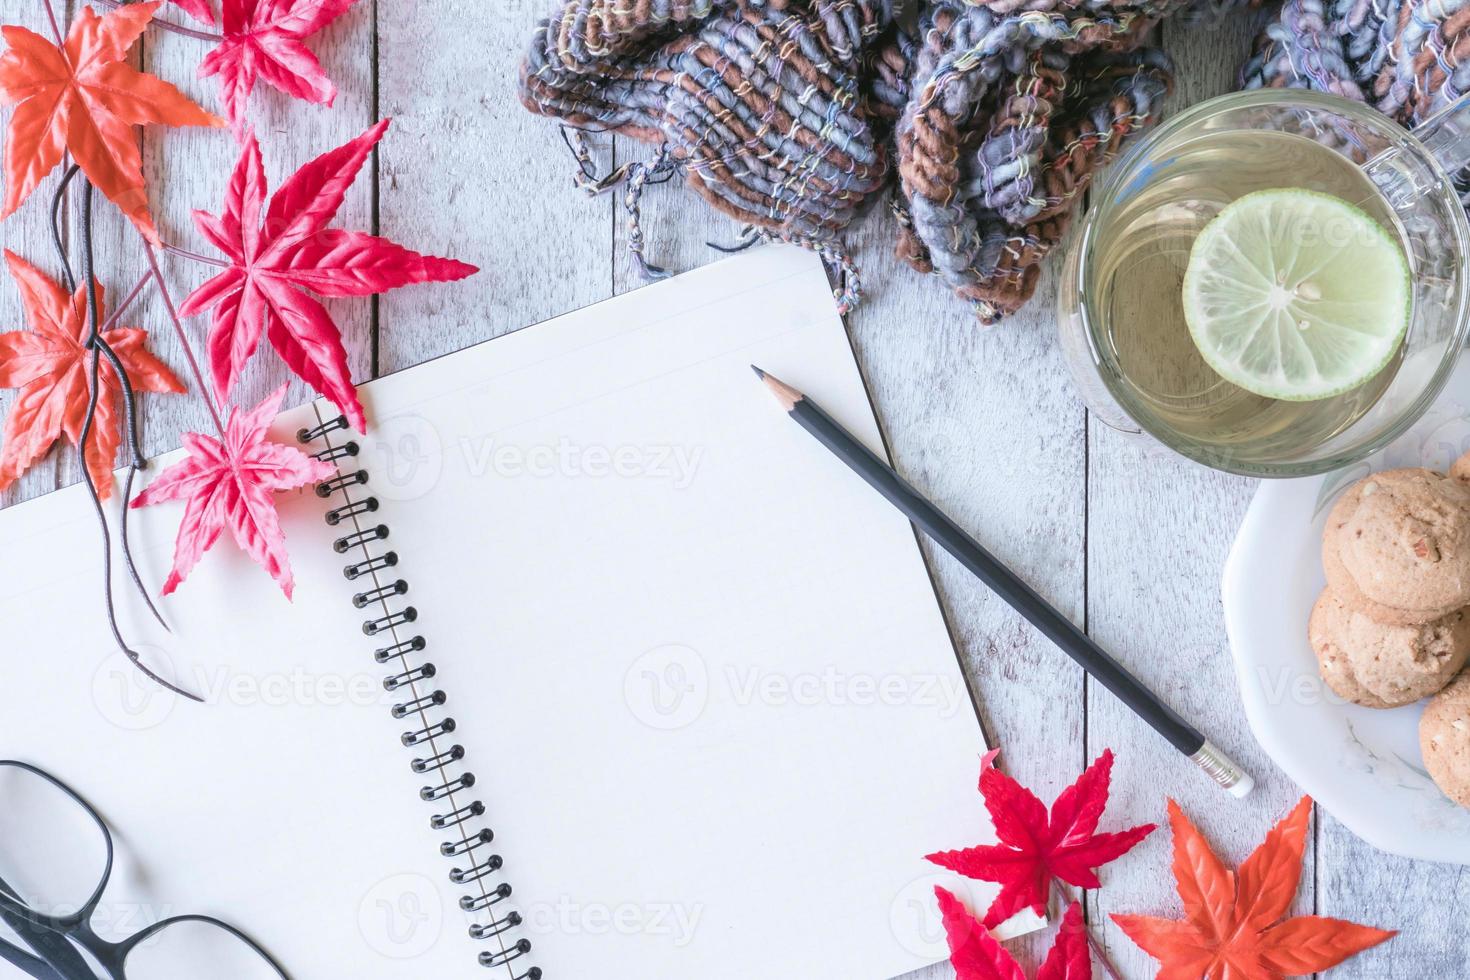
1231 928
83 97
51 366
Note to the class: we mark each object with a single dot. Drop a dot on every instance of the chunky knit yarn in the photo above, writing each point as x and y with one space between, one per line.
784 114
1406 58
1008 113
756 102
989 116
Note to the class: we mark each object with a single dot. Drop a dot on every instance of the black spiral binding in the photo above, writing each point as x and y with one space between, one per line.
448 782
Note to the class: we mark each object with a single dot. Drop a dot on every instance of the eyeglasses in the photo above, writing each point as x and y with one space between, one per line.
56 857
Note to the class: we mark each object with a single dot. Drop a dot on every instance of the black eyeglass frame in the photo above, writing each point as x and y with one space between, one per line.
52 937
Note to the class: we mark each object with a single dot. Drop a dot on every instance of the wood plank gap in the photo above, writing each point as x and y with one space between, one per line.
612 226
374 305
1086 569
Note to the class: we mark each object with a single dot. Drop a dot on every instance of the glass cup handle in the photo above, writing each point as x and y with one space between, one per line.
1446 135
1402 173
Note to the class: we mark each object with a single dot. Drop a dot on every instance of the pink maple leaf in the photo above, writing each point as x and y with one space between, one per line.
198 9
274 259
228 484
263 40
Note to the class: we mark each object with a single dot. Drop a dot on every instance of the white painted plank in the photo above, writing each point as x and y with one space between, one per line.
1158 532
981 420
467 171
1425 902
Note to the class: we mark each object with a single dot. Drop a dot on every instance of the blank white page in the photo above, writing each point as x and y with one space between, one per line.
698 668
703 675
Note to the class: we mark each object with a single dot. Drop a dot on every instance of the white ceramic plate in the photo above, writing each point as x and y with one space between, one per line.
1363 765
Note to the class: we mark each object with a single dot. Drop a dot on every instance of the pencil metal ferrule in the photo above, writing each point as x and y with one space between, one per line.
1218 766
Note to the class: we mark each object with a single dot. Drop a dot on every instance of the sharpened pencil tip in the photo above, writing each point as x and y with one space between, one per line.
785 394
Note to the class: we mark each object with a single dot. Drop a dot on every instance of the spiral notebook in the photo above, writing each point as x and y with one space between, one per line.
596 667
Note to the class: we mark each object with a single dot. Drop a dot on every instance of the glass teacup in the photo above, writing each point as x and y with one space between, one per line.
1122 324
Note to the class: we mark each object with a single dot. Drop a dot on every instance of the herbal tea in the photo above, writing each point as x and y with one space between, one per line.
1140 259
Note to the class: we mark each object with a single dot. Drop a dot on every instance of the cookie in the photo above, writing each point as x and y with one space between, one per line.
1397 546
1460 470
1325 629
1444 735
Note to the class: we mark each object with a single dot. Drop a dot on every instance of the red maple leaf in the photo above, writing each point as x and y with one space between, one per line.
229 483
84 97
274 258
1231 928
263 39
1034 848
976 955
51 365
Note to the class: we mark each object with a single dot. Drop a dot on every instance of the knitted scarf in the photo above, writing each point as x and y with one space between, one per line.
987 117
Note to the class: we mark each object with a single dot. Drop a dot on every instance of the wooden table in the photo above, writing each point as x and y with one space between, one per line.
1126 539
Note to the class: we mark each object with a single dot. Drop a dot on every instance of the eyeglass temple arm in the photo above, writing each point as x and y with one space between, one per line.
20 959
61 961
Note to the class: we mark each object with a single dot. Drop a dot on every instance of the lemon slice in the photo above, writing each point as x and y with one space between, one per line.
1296 295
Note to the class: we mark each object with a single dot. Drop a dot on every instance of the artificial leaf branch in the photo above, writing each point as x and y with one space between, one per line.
277 252
1234 925
78 97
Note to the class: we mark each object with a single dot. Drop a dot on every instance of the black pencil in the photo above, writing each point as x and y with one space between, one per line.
1006 584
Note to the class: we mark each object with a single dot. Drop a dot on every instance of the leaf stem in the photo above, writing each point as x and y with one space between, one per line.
55 24
98 346
184 253
127 301
173 313
167 25
1063 895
